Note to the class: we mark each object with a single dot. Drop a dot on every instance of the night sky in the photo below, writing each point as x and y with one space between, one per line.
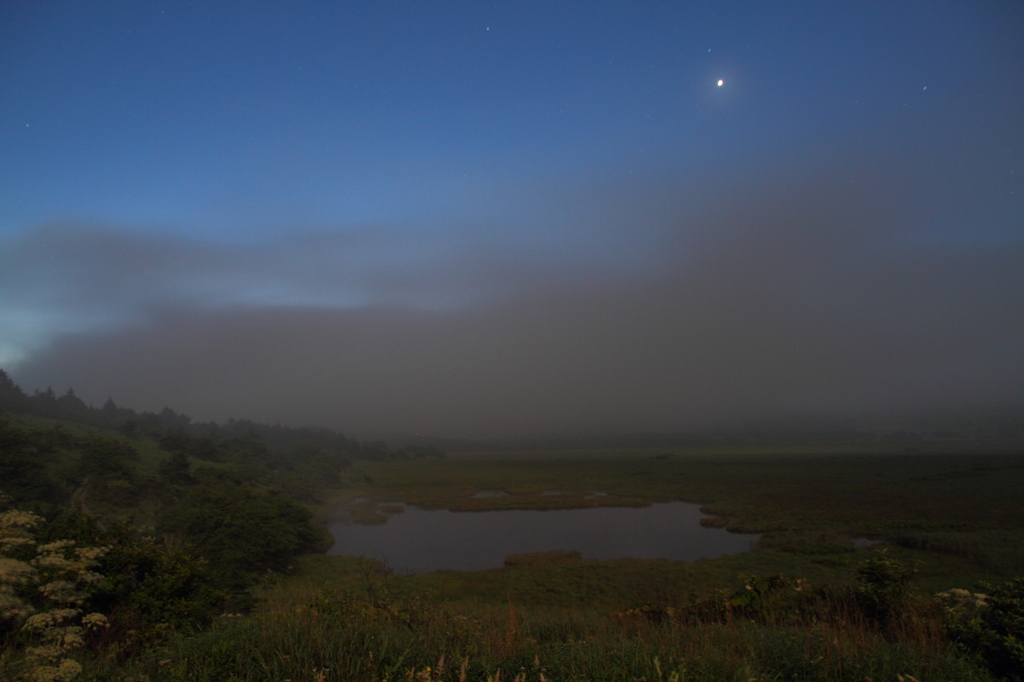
479 218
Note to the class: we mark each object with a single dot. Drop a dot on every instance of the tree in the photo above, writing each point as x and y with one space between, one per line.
176 470
238 529
24 474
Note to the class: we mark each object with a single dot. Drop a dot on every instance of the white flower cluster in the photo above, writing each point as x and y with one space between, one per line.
60 572
963 599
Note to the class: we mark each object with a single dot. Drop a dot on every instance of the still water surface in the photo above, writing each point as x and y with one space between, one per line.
417 541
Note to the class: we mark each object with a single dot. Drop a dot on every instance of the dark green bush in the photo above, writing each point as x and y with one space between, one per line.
751 596
24 472
107 458
150 585
176 470
881 588
237 528
990 626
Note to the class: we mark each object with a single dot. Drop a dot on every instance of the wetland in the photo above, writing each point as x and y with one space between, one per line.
418 540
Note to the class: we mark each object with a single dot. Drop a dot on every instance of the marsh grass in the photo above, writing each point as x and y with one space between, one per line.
960 515
315 634
1000 551
878 495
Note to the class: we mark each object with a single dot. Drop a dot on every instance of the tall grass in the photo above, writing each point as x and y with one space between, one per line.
385 635
1000 551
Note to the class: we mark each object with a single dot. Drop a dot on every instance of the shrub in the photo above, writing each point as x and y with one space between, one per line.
750 598
148 586
238 528
881 588
176 470
107 458
24 474
44 598
990 626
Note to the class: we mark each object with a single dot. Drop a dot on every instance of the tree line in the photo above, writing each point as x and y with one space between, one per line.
281 439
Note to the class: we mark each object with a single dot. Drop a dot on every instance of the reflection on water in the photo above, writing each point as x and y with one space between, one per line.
418 541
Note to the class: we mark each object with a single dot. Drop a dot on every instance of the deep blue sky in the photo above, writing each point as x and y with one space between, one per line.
227 119
570 175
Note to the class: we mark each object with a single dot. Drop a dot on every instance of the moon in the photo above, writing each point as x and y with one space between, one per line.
721 82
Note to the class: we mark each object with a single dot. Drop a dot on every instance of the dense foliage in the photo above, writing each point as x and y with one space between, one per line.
77 573
990 626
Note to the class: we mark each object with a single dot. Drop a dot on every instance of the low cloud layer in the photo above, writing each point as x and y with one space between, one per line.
659 306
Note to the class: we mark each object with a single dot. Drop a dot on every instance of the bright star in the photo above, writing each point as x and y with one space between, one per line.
721 82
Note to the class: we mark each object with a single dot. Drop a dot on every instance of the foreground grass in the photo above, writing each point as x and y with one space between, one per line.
623 583
376 627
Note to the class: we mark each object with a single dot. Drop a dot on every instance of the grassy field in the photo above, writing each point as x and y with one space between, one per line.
793 609
955 520
346 619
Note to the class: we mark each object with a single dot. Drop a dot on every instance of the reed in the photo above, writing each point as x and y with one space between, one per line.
317 634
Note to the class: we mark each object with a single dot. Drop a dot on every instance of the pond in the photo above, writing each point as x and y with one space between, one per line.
418 541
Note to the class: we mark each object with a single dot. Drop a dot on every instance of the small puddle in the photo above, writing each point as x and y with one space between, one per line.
489 494
861 543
